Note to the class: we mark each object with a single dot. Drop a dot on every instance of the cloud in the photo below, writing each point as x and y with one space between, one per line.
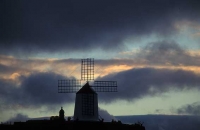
36 90
167 53
6 69
43 88
105 115
73 26
11 65
192 109
19 117
138 83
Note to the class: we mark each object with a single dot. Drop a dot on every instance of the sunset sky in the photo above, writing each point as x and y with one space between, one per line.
150 47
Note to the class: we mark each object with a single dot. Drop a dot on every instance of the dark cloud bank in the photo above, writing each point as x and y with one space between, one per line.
137 83
36 90
65 25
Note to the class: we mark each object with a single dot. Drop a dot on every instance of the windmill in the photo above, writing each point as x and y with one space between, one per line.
86 103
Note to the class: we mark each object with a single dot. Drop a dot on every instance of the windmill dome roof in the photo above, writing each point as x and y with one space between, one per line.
86 89
61 110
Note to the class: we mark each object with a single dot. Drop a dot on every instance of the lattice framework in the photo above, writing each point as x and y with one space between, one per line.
87 69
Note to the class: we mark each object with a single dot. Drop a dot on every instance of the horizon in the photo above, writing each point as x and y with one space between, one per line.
108 117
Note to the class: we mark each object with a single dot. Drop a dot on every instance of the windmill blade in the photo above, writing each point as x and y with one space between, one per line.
87 69
105 86
68 86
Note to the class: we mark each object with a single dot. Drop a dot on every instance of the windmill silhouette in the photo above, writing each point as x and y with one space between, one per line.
86 103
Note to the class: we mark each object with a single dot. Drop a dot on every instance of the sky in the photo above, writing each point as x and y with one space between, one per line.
150 47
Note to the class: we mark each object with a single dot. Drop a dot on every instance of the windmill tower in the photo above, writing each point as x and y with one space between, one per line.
86 103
